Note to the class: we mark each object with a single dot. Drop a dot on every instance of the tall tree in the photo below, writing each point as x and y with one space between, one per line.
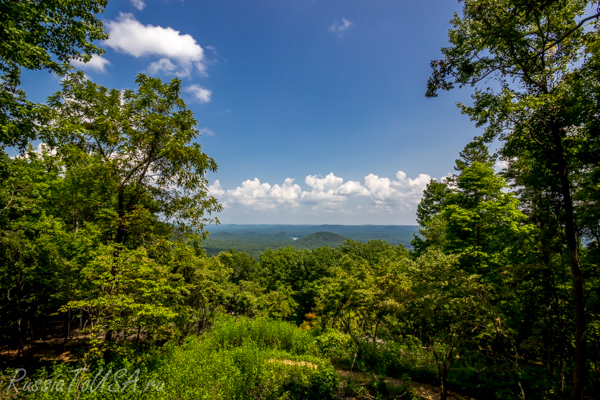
534 50
449 308
474 151
431 225
482 221
136 153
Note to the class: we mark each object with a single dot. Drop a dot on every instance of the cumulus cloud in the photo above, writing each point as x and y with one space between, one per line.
215 189
340 26
180 53
199 92
96 63
139 4
352 188
328 193
263 196
402 190
324 190
329 183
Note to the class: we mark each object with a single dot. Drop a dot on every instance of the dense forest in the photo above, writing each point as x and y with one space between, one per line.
256 243
102 265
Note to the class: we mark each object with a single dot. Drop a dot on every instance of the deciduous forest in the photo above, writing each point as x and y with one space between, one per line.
102 265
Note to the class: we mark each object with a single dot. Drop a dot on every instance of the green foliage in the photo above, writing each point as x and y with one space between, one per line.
124 291
35 275
223 364
230 332
137 151
106 223
543 57
244 267
40 35
481 219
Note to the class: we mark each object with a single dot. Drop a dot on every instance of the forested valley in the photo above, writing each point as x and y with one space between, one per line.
102 265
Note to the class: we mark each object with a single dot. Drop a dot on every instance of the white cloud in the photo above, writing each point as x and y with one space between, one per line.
139 4
199 92
215 189
324 191
330 193
340 27
129 36
96 63
165 66
263 196
286 193
403 190
206 132
352 188
329 183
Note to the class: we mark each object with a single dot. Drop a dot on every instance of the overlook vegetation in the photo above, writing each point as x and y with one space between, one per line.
103 234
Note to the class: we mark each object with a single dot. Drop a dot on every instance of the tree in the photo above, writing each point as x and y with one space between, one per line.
35 277
288 270
474 151
363 296
111 223
144 174
450 308
535 51
482 222
128 293
431 225
40 34
244 267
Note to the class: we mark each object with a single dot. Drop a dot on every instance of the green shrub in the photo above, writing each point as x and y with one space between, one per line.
336 345
238 359
267 334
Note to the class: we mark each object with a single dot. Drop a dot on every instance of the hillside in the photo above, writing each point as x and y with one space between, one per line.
319 239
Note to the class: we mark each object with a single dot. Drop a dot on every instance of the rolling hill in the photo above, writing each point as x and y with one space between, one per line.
319 239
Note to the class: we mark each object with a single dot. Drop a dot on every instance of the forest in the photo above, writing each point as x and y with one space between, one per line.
255 239
106 290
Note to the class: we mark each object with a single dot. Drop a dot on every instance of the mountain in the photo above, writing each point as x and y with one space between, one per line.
319 239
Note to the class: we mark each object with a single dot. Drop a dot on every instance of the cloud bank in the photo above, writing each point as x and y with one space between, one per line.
329 194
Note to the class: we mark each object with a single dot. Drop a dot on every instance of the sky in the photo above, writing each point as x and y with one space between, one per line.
315 111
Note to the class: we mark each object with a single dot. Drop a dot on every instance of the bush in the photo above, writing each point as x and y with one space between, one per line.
231 332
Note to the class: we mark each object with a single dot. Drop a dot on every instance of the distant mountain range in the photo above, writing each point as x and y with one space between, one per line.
255 239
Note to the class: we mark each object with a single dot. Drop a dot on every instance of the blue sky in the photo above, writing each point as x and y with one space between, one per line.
314 110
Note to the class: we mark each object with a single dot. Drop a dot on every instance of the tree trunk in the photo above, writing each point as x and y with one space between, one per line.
575 264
